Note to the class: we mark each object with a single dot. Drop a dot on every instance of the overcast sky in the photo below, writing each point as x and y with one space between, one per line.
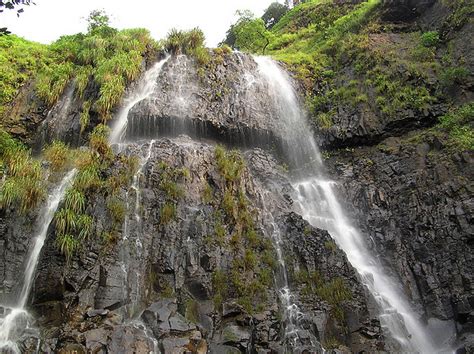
49 19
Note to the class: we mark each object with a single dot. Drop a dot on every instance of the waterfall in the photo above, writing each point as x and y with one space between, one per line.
131 245
16 319
145 88
296 338
319 206
14 323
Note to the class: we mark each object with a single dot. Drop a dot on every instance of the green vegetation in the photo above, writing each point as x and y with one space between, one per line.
458 124
104 56
23 185
171 184
334 292
58 155
20 60
430 39
74 222
192 311
190 43
250 273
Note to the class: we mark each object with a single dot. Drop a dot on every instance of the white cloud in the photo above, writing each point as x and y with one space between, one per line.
49 19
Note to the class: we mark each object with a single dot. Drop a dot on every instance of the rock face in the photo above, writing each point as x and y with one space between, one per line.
415 203
185 262
224 100
155 286
405 10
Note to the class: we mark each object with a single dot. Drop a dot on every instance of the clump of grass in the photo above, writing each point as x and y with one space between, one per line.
22 184
67 245
58 155
98 142
458 125
229 163
117 210
190 43
430 39
85 115
167 213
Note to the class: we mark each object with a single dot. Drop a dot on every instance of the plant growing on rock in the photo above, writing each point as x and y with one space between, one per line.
22 182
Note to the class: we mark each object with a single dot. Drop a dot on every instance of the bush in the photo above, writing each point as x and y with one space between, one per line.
167 213
58 155
430 39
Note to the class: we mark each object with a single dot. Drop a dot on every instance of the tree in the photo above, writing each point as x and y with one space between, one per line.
250 33
274 13
96 19
12 5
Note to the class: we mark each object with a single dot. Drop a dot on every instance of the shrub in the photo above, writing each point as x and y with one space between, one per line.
67 245
58 155
167 213
430 39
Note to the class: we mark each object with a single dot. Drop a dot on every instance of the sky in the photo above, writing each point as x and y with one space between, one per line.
49 19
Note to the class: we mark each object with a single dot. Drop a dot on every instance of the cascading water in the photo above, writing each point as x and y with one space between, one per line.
144 89
132 246
18 320
296 338
132 242
319 206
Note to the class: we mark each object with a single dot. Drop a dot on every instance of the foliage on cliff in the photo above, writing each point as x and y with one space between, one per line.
348 59
104 57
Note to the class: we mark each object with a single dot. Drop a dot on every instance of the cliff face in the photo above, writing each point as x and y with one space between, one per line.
169 267
183 257
404 181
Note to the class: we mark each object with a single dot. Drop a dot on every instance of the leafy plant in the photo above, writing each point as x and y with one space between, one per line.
430 39
58 155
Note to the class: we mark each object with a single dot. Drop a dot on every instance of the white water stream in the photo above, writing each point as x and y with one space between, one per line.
319 206
145 88
17 319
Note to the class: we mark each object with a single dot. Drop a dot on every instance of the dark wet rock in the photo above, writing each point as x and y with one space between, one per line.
227 102
405 10
415 205
168 276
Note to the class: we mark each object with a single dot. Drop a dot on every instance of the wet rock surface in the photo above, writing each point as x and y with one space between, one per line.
224 101
415 203
160 295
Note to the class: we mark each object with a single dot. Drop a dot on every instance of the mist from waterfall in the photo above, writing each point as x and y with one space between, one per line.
317 203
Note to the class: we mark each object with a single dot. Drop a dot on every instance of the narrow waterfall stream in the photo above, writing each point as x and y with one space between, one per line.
296 338
17 318
132 247
319 206
143 90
